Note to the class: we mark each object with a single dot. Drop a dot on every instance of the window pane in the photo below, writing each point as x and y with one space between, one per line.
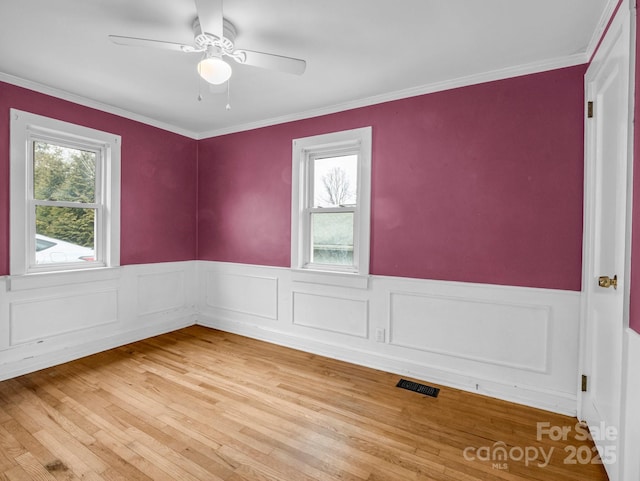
335 181
63 173
64 234
332 238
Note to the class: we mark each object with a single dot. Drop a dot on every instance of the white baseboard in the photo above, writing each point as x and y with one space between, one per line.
557 402
77 351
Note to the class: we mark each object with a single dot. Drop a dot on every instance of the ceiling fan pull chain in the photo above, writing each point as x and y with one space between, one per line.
228 106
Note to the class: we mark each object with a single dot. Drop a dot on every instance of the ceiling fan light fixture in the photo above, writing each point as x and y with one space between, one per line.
213 69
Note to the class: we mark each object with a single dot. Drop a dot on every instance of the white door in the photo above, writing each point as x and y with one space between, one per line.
607 86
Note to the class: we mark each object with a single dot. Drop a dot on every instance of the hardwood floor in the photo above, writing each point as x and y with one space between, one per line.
199 404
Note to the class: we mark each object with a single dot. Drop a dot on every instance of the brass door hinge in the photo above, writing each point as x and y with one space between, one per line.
584 383
590 109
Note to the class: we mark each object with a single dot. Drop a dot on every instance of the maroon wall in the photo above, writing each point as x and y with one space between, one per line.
479 184
158 197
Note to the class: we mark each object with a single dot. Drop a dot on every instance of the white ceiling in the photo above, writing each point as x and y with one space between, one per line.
357 52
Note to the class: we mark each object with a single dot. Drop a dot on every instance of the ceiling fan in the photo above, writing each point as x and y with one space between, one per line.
214 37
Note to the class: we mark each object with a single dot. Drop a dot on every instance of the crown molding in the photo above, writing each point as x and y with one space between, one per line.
86 102
602 25
490 76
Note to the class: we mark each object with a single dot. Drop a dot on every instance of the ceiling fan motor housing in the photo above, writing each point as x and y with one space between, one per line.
203 39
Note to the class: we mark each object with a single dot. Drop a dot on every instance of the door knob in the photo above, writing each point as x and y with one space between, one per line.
606 281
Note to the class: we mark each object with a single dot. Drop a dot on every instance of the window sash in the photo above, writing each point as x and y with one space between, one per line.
308 244
98 248
308 210
60 140
314 155
99 149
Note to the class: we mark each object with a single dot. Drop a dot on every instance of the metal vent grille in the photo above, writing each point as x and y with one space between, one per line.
419 388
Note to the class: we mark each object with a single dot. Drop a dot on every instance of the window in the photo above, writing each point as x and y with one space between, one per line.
331 202
65 189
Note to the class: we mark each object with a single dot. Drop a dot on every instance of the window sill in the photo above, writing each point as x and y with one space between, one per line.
339 279
39 280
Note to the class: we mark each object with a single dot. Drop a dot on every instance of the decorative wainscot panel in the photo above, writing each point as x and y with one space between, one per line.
33 320
242 294
331 313
495 332
161 292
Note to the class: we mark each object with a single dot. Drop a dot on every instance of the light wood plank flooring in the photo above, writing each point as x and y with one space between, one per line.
199 404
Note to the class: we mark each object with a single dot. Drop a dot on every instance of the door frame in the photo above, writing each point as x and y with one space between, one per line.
624 18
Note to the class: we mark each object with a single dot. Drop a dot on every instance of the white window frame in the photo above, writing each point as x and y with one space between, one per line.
27 128
355 141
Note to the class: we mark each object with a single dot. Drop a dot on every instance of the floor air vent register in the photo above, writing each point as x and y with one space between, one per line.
419 388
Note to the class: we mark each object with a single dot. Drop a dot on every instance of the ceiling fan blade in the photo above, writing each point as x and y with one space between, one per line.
145 42
210 16
270 61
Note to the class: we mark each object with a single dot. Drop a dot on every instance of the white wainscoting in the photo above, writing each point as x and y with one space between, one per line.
46 319
517 344
631 408
513 343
